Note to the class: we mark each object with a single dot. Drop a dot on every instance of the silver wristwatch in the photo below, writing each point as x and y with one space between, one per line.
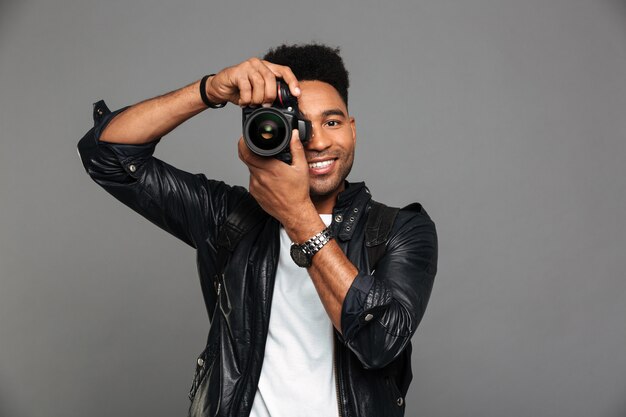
302 254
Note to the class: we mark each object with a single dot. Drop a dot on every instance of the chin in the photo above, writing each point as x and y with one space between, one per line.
325 188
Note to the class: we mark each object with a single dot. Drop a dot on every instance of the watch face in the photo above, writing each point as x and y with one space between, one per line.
299 257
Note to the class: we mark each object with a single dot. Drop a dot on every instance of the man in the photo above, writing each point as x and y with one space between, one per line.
321 337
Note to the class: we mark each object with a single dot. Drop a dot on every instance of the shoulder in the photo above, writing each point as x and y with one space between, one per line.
413 215
415 236
399 226
414 231
408 217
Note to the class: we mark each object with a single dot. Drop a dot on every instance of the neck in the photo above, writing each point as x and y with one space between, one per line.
324 204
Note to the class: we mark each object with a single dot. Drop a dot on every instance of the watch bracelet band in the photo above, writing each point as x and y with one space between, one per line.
317 242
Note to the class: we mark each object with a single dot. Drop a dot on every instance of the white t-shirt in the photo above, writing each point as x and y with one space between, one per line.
297 377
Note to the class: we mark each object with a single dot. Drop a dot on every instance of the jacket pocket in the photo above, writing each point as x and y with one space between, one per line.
204 364
395 397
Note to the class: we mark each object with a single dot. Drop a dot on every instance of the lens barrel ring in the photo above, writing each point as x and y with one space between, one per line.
260 123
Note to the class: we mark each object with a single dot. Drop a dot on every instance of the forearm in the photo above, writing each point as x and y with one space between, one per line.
331 271
383 309
154 118
332 274
253 82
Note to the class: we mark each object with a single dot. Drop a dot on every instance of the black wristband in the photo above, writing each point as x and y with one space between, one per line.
204 97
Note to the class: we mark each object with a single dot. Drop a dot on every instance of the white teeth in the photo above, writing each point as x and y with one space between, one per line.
322 164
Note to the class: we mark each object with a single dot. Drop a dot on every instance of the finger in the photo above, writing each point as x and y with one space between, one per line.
258 88
240 144
270 84
287 75
253 183
245 91
297 150
263 81
248 157
243 151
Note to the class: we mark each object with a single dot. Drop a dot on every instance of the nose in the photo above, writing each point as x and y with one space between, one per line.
318 141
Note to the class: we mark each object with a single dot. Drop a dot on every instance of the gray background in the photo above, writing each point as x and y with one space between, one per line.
506 119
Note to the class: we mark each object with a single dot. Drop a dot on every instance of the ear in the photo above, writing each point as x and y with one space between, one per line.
353 128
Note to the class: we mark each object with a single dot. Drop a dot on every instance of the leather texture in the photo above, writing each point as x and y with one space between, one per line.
381 310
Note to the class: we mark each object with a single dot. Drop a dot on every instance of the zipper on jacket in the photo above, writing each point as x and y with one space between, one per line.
335 369
269 289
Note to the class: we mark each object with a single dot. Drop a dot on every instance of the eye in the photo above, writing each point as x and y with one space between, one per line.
333 123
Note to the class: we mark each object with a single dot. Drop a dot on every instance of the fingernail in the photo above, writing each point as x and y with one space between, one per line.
298 90
267 104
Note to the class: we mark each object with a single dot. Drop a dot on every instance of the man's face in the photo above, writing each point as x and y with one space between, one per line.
330 152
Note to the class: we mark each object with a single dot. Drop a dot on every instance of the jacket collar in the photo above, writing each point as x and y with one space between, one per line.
351 205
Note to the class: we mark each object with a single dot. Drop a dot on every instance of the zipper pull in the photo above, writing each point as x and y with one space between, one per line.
217 285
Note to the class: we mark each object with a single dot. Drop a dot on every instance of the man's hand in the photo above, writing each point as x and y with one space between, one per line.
250 83
283 190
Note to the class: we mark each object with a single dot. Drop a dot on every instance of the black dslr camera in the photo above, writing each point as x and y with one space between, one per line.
267 130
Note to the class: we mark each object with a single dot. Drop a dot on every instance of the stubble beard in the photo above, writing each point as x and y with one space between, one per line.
327 185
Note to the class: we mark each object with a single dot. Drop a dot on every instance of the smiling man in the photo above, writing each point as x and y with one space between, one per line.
313 309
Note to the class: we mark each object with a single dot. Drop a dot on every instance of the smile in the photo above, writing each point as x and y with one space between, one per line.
321 167
321 164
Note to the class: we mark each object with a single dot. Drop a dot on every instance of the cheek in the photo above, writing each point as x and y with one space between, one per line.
346 140
349 146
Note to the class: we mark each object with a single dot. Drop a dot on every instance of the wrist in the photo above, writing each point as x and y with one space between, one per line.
303 253
304 224
207 93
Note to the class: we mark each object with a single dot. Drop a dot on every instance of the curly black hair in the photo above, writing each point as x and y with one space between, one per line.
313 62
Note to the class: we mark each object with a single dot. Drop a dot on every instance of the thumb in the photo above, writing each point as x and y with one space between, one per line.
297 150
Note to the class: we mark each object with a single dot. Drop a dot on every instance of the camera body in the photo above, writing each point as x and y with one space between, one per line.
267 131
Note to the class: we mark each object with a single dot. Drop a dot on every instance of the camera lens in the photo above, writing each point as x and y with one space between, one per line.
268 129
266 132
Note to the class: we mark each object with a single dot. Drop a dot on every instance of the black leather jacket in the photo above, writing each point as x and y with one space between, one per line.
380 313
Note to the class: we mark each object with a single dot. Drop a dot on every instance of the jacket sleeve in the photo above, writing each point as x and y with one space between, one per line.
381 311
189 206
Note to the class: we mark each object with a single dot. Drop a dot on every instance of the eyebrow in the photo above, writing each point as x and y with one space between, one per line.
326 113
333 112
